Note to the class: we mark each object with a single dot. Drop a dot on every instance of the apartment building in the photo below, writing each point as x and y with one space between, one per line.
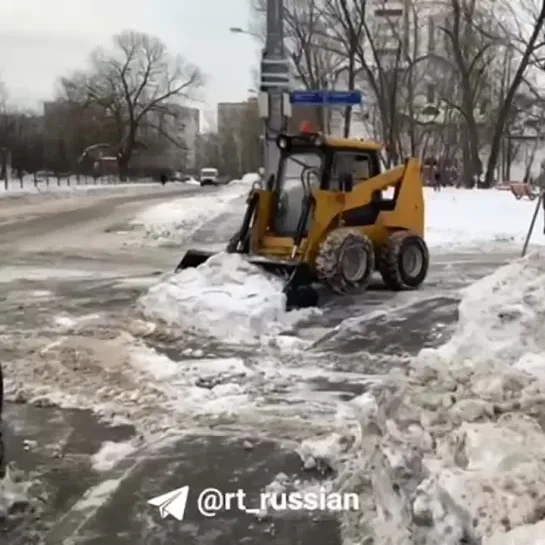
239 131
233 117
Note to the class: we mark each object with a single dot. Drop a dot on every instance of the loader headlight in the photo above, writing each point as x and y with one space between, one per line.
282 142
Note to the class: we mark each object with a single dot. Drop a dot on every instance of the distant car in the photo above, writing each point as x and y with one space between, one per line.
208 176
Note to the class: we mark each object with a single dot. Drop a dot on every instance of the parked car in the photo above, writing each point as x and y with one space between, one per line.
208 176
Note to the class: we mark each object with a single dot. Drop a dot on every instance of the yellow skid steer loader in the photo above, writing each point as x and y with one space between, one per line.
325 217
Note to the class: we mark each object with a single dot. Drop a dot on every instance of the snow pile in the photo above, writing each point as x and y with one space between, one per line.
110 454
15 494
454 452
180 218
247 180
501 320
471 218
198 386
226 297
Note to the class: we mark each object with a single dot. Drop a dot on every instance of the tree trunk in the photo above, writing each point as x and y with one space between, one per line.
123 167
351 84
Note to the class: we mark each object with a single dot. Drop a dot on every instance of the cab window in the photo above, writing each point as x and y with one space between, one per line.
359 165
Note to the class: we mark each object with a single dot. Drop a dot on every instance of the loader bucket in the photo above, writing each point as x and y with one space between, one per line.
192 259
299 278
298 289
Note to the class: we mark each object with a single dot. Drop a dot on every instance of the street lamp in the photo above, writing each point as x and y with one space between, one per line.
240 30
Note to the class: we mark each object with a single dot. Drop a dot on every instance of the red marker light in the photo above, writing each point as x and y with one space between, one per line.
307 128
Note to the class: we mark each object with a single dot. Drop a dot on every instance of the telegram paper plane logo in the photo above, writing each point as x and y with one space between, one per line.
172 503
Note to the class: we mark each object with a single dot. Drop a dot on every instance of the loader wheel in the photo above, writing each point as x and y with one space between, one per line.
404 261
345 260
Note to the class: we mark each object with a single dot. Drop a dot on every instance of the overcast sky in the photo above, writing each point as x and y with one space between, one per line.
41 40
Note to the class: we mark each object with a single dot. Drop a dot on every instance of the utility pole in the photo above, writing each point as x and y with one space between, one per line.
275 82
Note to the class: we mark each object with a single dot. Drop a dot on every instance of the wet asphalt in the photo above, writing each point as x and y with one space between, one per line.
62 441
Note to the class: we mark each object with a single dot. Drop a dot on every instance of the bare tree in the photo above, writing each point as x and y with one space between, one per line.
346 29
386 65
529 45
6 130
134 85
315 60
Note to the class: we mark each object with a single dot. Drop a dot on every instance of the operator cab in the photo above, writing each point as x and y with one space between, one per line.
309 161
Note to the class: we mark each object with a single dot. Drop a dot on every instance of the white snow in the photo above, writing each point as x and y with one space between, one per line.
457 218
85 187
456 451
67 323
96 496
110 454
197 386
176 220
13 493
501 318
9 273
226 297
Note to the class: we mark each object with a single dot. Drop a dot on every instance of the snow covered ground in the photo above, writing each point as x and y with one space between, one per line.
177 220
87 186
455 218
453 448
460 218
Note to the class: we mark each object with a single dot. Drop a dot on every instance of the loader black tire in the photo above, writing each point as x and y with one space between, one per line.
335 260
393 262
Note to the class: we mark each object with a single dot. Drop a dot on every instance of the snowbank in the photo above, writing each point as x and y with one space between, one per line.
178 219
454 452
110 454
226 297
87 187
501 319
455 218
470 218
